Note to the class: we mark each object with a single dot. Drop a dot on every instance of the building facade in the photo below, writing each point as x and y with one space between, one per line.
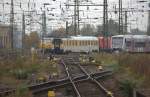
5 36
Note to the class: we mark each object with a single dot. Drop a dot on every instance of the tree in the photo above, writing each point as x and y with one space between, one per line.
112 28
137 31
61 32
88 30
32 40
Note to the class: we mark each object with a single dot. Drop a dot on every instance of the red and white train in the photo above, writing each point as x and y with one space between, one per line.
126 43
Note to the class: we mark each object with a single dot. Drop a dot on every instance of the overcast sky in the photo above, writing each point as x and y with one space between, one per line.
135 20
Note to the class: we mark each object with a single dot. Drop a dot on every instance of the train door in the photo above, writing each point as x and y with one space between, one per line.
57 45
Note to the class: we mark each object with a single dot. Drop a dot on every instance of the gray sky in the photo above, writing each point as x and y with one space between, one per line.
135 20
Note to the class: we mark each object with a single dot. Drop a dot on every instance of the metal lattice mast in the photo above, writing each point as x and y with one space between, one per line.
148 28
78 16
126 23
120 18
75 17
44 30
11 23
23 31
44 27
105 19
67 28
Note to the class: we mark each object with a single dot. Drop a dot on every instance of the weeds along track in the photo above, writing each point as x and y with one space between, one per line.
77 78
88 88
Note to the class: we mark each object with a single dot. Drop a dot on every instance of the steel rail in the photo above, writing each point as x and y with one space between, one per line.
71 80
94 80
59 83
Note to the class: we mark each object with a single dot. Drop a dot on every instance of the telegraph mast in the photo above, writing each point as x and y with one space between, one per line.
148 28
11 23
23 31
120 18
105 19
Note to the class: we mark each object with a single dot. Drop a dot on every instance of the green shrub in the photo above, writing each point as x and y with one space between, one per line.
22 91
127 86
20 74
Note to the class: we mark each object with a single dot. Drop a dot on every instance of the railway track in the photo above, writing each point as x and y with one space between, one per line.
73 61
38 88
71 79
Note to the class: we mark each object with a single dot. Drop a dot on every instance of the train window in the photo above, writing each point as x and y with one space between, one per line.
87 42
76 43
94 42
83 43
140 44
69 42
79 43
73 43
64 43
91 42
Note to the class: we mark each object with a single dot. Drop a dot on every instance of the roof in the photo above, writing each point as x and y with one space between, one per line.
133 36
83 38
75 38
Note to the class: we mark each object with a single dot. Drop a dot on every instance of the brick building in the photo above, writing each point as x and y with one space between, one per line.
4 36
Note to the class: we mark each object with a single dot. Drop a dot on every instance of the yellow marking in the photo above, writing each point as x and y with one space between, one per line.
51 94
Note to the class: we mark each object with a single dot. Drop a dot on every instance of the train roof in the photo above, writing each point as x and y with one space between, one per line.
133 36
82 38
74 38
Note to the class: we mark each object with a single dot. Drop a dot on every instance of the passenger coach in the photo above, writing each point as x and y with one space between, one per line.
131 43
71 44
80 44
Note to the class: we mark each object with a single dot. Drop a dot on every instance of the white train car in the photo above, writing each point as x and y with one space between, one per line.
131 43
80 44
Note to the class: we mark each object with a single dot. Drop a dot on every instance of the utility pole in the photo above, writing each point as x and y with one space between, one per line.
148 28
126 22
67 28
105 19
120 18
75 17
11 23
78 15
44 29
76 6
23 31
105 22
